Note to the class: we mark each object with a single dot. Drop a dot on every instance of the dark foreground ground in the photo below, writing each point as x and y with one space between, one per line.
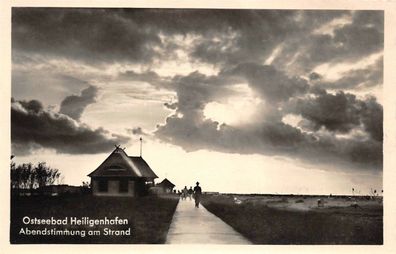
149 217
293 220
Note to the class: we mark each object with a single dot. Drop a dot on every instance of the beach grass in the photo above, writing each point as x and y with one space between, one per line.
263 224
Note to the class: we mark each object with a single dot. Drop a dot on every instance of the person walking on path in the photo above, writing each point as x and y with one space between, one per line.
197 195
184 193
190 192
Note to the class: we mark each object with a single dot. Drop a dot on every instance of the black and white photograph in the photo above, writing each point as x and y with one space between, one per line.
205 126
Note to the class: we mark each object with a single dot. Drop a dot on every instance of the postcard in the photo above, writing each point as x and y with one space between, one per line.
197 125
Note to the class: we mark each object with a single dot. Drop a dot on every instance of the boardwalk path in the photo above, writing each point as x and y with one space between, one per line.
192 225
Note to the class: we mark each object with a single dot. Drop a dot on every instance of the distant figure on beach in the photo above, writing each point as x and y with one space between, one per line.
184 192
190 192
197 195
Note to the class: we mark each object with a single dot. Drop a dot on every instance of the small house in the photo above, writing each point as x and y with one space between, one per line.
166 186
122 175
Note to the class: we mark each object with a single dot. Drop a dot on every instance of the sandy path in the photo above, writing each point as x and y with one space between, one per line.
192 225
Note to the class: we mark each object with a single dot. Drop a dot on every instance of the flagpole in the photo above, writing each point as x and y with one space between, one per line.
141 142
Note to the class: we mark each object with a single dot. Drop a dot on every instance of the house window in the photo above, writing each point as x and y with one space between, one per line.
123 185
103 185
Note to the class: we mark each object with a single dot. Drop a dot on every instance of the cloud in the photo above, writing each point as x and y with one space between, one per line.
340 112
88 35
171 106
349 42
327 115
147 37
74 105
137 131
252 35
292 43
149 77
314 76
372 118
195 90
361 78
272 84
32 126
272 138
133 35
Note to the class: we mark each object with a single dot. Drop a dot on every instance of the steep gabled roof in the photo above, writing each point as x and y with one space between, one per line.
166 183
118 163
142 165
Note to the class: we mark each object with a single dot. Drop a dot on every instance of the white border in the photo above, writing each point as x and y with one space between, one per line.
389 103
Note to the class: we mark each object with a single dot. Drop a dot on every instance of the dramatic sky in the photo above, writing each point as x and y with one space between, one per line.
264 101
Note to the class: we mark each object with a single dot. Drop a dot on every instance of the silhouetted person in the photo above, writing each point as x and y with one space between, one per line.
190 192
197 194
184 192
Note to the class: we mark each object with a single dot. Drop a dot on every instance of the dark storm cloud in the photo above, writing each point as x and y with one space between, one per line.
272 84
271 138
195 90
33 126
260 32
108 35
372 118
339 113
134 35
90 35
349 42
74 105
256 33
364 35
256 37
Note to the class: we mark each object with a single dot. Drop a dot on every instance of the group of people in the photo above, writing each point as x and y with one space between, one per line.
192 194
